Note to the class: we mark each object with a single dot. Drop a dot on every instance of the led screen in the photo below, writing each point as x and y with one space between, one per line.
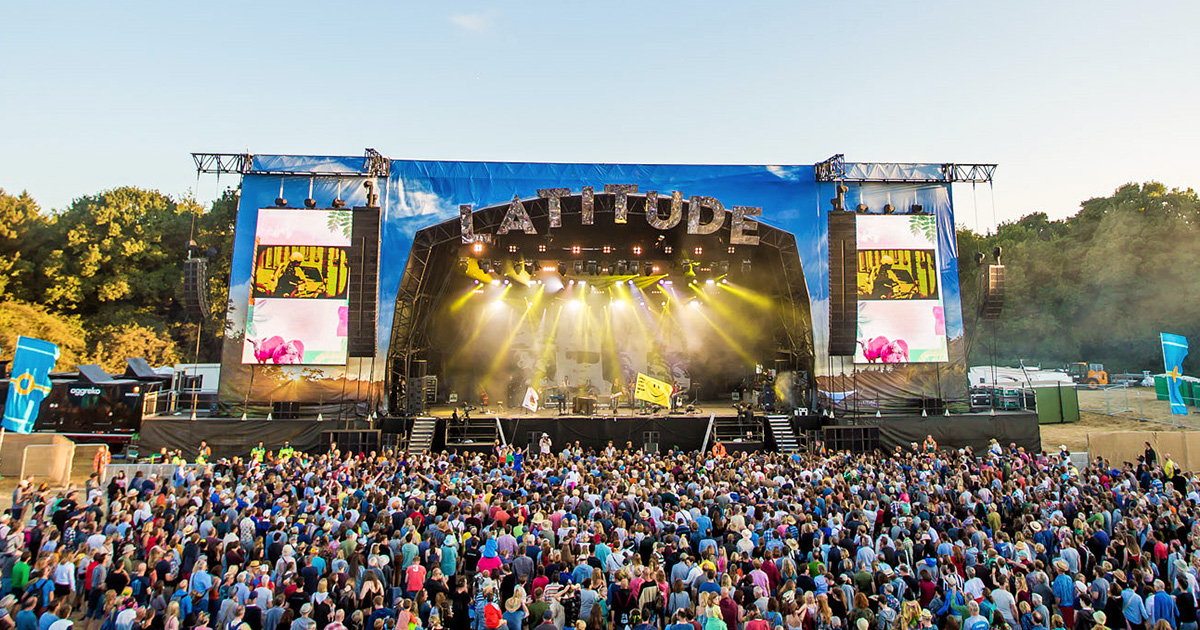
298 298
901 318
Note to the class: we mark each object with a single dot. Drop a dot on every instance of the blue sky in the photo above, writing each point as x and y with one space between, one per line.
1072 99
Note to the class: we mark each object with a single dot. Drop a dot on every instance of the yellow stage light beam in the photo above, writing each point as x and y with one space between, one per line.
730 341
754 298
502 350
462 300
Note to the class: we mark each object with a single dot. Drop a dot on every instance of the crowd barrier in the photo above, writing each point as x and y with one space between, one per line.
48 462
130 470
1125 446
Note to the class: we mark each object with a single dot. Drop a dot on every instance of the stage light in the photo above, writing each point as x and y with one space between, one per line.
607 249
699 251
724 280
629 282
575 249
622 268
655 268
592 266
562 269
693 304
529 268
495 282
571 282
310 203
338 203
732 249
667 250
578 267
746 267
996 254
723 267
637 250
512 249
583 283
917 209
634 267
862 208
888 208
542 248
477 248
649 270
710 282
506 282
548 268
979 258
281 202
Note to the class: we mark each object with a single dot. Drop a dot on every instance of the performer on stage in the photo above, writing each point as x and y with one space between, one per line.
562 396
615 395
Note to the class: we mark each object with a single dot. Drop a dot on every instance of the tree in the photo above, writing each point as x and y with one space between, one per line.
116 254
29 320
113 344
1098 286
22 227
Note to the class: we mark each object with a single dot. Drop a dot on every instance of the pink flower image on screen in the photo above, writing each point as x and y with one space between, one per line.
276 350
886 351
343 321
939 320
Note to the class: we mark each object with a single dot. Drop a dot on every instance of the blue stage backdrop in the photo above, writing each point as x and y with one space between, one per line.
286 323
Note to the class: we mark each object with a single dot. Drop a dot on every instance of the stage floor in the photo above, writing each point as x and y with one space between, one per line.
704 409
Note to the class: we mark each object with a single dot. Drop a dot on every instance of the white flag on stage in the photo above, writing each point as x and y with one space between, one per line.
531 400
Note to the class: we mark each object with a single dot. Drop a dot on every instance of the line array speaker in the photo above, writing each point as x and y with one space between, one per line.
195 287
993 299
843 283
364 281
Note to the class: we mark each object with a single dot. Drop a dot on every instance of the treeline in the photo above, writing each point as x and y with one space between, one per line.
1097 287
103 278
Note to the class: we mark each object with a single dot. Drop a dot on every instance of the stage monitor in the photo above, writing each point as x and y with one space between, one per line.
901 318
299 298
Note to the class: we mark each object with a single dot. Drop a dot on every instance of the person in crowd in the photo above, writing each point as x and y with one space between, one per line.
620 539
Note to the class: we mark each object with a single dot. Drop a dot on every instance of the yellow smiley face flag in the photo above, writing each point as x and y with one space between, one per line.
652 390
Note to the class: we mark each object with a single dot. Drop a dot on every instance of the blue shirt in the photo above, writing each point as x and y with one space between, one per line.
1133 608
1164 608
1064 590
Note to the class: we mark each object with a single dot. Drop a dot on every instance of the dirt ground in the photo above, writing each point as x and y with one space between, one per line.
1135 403
1075 436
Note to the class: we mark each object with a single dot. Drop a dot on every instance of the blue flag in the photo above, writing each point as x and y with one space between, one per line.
29 384
1175 348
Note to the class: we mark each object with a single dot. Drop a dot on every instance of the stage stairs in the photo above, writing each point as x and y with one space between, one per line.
478 430
781 429
420 438
732 429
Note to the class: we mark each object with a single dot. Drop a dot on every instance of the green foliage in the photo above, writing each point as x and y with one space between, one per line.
20 318
22 232
113 344
108 272
1096 287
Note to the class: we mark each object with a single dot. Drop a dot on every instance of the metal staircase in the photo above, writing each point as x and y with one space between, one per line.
420 438
781 430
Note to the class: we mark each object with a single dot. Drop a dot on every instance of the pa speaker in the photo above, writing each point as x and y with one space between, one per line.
414 397
993 299
843 283
195 287
364 282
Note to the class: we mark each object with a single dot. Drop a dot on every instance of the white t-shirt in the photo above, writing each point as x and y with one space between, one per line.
62 624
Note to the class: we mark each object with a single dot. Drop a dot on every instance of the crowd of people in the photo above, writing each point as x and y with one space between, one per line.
615 539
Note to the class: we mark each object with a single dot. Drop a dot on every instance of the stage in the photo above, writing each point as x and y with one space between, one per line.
234 437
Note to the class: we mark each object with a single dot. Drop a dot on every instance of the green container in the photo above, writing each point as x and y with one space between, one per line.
1189 391
1160 388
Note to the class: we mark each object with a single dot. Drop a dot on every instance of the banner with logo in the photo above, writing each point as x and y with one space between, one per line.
652 390
1175 349
29 384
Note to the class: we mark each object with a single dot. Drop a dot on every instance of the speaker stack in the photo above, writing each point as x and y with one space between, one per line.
993 298
195 287
843 283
